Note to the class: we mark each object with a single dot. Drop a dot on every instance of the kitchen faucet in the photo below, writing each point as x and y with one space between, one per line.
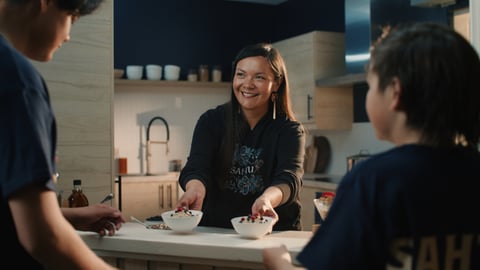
149 143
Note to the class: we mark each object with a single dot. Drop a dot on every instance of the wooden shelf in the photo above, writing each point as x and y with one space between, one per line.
170 84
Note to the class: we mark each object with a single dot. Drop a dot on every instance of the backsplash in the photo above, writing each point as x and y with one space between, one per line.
181 107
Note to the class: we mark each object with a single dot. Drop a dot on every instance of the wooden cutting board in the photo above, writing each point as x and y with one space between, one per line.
310 159
323 153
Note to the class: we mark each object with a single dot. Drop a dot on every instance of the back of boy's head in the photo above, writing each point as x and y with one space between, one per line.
77 7
439 73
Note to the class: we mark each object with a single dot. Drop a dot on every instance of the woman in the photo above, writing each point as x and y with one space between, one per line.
246 155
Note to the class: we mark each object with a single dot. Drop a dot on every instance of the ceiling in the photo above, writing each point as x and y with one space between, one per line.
265 2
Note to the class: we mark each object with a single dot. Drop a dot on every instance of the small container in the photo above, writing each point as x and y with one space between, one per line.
203 73
77 198
122 165
192 75
217 73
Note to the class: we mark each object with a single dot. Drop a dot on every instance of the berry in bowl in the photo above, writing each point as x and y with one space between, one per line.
252 226
182 219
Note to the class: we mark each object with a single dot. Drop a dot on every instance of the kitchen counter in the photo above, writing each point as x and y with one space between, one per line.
205 247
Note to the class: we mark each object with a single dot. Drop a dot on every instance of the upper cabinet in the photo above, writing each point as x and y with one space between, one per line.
310 57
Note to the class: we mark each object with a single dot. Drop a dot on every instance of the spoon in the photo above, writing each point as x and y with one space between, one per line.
139 222
107 198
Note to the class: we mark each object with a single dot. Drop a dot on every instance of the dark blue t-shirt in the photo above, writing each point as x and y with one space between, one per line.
412 207
27 142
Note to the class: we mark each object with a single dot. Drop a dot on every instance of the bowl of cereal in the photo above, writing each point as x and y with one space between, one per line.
252 226
182 219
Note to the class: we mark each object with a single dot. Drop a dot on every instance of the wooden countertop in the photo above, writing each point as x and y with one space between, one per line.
206 244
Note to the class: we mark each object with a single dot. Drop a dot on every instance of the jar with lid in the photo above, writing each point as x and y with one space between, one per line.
217 73
192 75
203 73
77 198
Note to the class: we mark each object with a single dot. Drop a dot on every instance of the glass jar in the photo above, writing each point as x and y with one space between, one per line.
217 73
203 73
192 75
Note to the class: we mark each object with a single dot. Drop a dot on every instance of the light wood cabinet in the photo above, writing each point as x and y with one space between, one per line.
147 196
309 57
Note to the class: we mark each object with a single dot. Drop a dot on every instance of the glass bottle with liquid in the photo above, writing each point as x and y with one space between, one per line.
77 198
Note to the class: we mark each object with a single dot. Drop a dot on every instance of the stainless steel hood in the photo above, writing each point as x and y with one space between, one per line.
365 21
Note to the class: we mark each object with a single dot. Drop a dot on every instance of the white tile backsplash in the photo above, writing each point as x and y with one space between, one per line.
181 108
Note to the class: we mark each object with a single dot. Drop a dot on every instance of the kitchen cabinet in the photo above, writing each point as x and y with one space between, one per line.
309 57
146 196
308 193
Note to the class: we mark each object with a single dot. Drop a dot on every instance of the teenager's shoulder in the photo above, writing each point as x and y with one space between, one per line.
17 70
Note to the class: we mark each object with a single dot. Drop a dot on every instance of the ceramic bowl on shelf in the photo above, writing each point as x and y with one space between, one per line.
134 72
154 72
182 220
172 73
254 228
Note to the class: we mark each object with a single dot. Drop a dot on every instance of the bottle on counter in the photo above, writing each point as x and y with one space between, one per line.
77 198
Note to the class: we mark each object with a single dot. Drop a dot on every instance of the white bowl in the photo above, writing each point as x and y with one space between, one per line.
154 72
134 72
322 207
172 72
251 230
182 223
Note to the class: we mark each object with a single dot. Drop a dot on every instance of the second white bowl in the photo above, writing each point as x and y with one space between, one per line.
182 223
252 230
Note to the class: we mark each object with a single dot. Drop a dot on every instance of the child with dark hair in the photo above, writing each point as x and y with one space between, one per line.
38 234
404 208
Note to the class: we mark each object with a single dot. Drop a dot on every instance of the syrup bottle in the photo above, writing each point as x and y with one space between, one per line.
77 198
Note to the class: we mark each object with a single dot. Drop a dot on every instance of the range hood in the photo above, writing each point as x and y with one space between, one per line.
365 21
432 3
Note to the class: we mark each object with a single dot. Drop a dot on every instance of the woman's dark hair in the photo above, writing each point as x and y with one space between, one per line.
439 73
236 124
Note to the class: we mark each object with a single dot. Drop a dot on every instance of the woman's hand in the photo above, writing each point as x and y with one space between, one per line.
193 196
265 204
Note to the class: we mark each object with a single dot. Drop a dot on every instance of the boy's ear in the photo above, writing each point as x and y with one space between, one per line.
396 92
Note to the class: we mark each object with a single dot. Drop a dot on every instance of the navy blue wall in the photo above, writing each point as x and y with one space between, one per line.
193 32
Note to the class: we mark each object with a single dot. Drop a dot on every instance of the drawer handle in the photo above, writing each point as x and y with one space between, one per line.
309 100
169 196
161 197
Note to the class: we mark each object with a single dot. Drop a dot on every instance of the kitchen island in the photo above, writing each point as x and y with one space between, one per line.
136 247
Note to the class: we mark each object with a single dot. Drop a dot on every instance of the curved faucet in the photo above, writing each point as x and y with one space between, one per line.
149 154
